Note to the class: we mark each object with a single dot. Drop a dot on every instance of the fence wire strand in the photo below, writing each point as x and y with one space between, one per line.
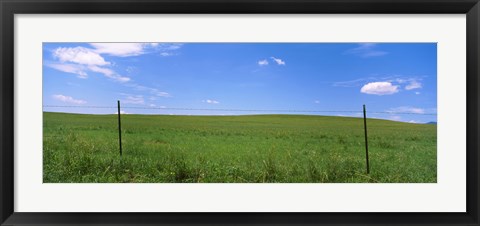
238 110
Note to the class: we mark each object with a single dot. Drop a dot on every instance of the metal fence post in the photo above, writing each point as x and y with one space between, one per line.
119 129
366 139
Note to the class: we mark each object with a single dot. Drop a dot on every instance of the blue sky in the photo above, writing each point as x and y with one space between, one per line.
398 79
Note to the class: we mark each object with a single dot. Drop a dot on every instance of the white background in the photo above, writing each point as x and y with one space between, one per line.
448 194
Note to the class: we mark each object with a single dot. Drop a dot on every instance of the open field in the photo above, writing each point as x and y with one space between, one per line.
240 149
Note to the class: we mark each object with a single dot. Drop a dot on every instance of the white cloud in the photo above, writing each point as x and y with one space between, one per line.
317 102
152 105
418 93
263 62
135 49
379 88
165 54
168 49
161 94
85 59
414 82
79 70
210 101
81 60
353 83
109 73
137 99
152 91
278 61
170 46
120 49
120 78
68 99
400 80
413 85
131 69
366 50
406 109
79 55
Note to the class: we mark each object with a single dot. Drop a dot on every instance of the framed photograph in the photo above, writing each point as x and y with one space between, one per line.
239 112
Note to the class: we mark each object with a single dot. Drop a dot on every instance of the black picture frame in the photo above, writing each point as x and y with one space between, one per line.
9 8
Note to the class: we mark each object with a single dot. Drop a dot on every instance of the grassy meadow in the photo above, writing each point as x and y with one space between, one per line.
80 148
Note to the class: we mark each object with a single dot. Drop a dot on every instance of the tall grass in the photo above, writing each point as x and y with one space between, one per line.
234 149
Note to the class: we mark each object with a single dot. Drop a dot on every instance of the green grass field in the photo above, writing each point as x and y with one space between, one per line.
235 149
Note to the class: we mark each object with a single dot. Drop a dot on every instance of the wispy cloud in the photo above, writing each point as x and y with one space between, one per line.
68 99
131 69
406 109
133 99
118 49
400 82
79 60
79 55
278 61
152 91
379 88
168 49
135 49
165 54
79 70
366 50
170 46
83 61
316 101
413 85
275 60
210 101
411 82
263 62
353 83
121 49
109 73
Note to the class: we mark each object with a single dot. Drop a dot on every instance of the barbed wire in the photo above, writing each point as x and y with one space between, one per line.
237 110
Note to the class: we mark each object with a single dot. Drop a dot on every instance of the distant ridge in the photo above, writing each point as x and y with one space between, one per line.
435 123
